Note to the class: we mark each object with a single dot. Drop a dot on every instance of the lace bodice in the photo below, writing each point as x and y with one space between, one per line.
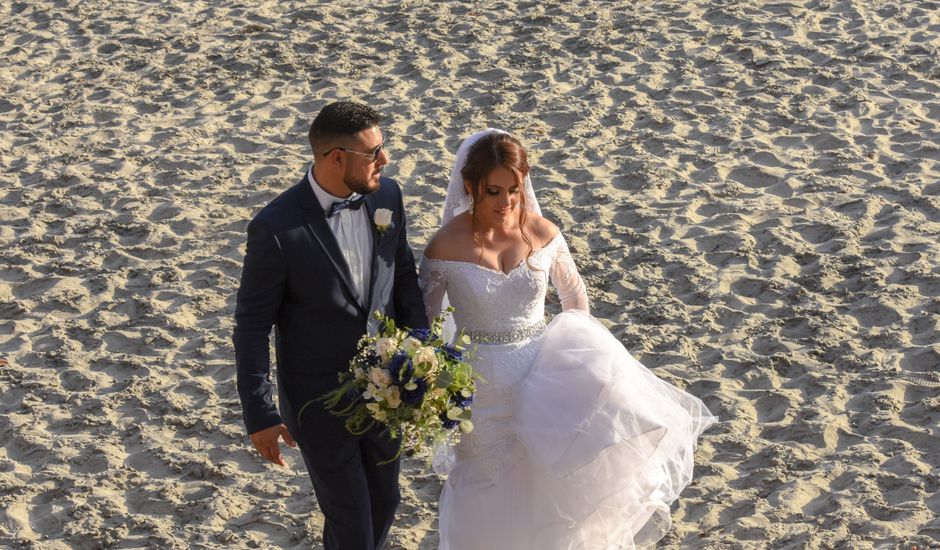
485 299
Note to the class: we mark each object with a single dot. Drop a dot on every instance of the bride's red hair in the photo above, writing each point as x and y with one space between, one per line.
488 153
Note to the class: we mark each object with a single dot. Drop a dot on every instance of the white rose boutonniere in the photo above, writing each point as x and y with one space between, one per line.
382 219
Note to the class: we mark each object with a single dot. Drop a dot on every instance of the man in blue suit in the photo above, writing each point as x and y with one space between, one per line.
320 258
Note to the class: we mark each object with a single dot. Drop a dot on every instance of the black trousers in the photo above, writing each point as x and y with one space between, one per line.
357 496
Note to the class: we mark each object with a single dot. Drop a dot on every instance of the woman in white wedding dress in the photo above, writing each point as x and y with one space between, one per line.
576 445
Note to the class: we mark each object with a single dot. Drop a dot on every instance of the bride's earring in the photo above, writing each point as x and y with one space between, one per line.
466 189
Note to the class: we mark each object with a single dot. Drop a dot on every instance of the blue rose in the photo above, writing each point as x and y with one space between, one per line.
452 352
447 422
420 333
461 401
414 397
401 368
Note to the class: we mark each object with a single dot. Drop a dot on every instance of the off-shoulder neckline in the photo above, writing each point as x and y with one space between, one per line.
551 242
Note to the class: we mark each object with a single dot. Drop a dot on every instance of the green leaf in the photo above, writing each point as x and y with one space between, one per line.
444 379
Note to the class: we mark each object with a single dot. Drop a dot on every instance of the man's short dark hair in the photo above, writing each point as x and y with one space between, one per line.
339 120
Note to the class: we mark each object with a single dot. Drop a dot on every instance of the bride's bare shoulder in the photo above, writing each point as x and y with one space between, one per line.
543 229
450 239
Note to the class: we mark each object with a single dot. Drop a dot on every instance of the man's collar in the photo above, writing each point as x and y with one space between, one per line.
325 198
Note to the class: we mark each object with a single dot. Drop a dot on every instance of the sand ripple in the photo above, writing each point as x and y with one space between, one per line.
750 189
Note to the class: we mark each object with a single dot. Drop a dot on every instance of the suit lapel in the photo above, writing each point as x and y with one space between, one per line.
315 219
370 205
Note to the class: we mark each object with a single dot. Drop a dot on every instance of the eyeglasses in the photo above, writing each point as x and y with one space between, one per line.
374 154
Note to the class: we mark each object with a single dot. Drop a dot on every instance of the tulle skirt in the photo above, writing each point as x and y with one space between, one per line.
576 446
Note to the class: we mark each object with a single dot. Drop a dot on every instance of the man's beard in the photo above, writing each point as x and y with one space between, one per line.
363 187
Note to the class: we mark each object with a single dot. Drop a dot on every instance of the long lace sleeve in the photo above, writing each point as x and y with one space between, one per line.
564 275
433 283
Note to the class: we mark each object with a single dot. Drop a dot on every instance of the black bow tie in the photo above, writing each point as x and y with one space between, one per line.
353 204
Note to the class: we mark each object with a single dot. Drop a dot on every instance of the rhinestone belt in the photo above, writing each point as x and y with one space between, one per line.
506 336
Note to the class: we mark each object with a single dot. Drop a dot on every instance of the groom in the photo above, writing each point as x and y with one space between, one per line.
320 258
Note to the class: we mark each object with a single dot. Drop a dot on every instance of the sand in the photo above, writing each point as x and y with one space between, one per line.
750 189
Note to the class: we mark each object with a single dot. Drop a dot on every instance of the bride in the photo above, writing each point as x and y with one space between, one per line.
576 444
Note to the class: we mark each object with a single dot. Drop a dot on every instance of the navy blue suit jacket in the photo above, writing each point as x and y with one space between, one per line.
296 280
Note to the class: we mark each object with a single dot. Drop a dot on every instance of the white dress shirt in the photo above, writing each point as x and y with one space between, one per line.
353 232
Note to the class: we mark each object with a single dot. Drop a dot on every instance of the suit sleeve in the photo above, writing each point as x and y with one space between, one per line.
257 303
409 304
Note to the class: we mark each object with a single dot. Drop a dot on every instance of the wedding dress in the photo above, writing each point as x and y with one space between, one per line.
576 445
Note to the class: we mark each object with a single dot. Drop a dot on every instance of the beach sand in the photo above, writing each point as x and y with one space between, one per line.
750 189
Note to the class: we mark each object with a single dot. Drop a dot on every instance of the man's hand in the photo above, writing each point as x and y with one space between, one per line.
266 442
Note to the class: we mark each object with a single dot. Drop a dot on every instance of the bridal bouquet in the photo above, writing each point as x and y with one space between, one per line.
408 380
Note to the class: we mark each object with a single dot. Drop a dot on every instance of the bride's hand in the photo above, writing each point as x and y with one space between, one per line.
265 441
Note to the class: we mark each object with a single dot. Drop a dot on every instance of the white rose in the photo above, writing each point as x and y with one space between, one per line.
427 356
385 347
410 344
380 377
383 218
393 397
